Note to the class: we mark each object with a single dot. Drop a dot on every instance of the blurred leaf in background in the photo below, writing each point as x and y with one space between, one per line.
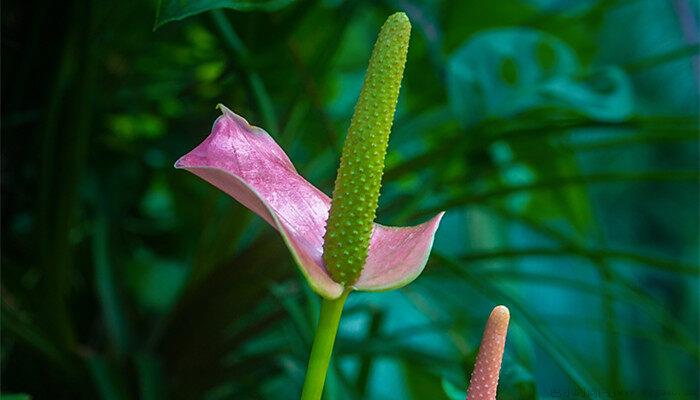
560 136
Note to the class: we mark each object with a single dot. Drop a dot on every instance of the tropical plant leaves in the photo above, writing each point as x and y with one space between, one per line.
173 10
502 72
210 303
8 396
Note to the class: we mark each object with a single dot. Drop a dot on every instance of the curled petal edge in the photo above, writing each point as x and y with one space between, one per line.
246 163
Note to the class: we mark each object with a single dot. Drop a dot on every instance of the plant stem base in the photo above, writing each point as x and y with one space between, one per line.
323 347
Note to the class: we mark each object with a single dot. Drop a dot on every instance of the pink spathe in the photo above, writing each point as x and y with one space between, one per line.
246 163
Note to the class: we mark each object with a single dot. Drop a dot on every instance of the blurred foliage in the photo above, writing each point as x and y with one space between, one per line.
560 136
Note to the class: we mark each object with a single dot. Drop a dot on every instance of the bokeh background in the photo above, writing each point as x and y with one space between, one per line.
561 137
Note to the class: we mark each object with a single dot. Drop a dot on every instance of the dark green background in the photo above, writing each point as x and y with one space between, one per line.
560 136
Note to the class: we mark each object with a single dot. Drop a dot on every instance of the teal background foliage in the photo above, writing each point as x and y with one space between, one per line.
561 137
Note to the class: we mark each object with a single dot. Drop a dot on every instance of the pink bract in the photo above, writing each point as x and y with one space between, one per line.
246 163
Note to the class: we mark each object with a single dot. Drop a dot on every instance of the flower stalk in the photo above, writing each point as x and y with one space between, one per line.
322 347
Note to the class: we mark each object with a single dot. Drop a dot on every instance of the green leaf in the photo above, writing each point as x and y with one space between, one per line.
175 10
150 377
242 55
109 380
605 94
15 397
155 282
422 384
556 183
452 391
502 72
18 326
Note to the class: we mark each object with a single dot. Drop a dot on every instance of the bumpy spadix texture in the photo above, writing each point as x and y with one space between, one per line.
356 191
484 381
245 162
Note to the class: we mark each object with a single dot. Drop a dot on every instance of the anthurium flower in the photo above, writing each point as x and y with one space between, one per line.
484 381
336 244
246 163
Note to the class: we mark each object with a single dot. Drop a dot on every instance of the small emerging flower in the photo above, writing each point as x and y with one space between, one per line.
246 163
484 380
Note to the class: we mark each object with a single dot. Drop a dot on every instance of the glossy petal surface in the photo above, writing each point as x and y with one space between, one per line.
246 163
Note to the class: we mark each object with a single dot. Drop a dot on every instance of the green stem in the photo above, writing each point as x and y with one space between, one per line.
323 347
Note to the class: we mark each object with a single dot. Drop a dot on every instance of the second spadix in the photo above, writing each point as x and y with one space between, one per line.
356 192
